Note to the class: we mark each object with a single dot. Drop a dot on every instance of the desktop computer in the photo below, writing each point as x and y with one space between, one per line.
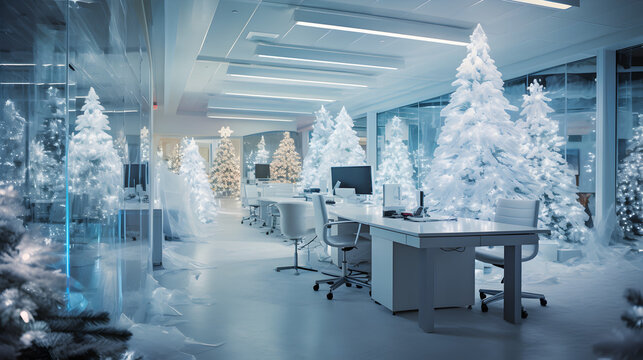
262 171
355 177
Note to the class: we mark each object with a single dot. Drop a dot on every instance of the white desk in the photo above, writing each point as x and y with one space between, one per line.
429 237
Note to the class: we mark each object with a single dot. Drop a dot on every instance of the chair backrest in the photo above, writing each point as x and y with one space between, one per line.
293 219
251 192
519 212
321 217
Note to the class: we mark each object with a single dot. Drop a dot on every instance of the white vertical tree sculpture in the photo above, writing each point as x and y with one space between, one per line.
478 159
225 174
12 153
262 156
629 192
94 166
286 164
396 167
343 148
193 171
322 128
560 210
145 145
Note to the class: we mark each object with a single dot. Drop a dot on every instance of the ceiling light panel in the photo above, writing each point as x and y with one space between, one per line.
274 96
328 57
260 107
382 26
247 118
555 4
296 77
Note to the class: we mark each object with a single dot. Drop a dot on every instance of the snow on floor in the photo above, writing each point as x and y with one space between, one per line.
257 313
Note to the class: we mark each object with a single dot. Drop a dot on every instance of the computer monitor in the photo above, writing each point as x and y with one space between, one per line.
135 174
262 171
356 177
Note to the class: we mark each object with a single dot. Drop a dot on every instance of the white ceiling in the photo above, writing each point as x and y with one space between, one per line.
205 40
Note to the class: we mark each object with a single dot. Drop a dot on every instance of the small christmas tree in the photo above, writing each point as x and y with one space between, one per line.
322 128
32 317
145 145
174 160
560 210
629 191
396 167
12 152
263 156
343 148
478 159
225 174
193 171
121 146
286 164
94 165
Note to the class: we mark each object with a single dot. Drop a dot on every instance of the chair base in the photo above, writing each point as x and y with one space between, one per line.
336 281
497 295
296 268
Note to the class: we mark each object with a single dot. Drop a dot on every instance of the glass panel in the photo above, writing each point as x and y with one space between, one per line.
409 116
272 140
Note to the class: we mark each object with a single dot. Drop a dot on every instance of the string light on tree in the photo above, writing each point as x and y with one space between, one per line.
286 164
174 160
263 156
145 144
193 171
225 173
629 191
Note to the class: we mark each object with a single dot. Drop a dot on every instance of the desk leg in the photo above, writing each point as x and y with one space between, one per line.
513 278
426 315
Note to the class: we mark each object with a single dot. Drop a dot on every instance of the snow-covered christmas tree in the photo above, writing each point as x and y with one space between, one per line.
629 192
262 156
322 128
343 148
145 145
122 147
193 171
225 174
12 147
286 164
560 210
47 150
396 167
174 160
94 166
478 159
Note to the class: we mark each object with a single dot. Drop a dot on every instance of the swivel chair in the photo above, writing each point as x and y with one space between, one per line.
293 226
345 242
516 212
250 199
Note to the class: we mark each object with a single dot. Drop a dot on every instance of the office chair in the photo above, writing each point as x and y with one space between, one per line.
345 242
293 226
275 217
516 212
250 197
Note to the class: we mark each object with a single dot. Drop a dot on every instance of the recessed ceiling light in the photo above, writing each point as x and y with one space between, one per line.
556 4
259 110
327 62
14 64
278 97
298 80
247 118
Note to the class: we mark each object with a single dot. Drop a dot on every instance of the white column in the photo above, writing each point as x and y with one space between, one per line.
605 133
371 138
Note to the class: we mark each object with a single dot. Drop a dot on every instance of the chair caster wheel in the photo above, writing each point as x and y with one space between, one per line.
469 307
349 284
358 286
329 296
315 287
267 232
523 314
329 282
277 270
482 296
242 221
484 307
393 313
543 302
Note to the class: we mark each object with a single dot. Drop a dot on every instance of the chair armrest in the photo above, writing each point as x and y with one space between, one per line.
359 227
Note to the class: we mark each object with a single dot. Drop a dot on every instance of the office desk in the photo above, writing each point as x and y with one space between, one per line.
428 237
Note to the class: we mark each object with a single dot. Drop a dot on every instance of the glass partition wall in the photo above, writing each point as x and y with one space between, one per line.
53 53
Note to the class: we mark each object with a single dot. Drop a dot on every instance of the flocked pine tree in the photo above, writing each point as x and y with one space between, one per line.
343 148
262 156
478 158
121 146
629 192
33 319
94 166
145 145
560 210
396 167
174 160
193 171
225 173
12 153
322 128
286 164
47 150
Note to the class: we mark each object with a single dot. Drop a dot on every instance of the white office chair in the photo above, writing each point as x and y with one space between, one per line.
345 242
251 200
293 226
516 212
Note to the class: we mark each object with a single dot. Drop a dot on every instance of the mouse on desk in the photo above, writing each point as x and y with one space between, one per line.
330 202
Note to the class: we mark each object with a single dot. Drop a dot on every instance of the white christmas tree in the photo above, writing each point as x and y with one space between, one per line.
322 128
629 192
145 145
262 156
478 158
122 148
94 166
225 174
193 171
174 160
12 154
560 210
343 148
286 164
396 167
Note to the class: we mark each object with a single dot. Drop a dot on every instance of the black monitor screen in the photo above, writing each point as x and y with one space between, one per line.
135 174
357 177
262 171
